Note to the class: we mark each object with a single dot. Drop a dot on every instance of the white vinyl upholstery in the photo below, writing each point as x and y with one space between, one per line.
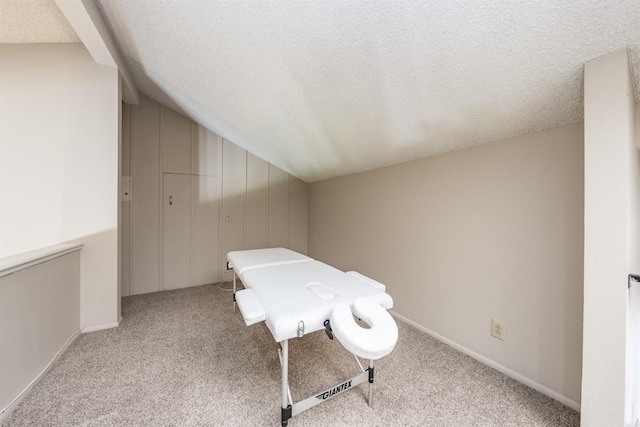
368 280
307 292
370 343
296 295
250 307
293 288
256 258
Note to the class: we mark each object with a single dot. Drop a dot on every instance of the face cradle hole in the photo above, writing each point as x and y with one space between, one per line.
361 323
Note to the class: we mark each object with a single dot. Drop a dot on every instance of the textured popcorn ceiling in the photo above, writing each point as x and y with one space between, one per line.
328 88
34 21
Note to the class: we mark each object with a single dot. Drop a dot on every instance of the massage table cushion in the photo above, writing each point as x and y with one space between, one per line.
304 291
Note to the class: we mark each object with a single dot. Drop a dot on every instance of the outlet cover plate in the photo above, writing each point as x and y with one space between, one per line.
498 329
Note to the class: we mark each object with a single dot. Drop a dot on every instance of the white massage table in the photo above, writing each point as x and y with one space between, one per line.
296 295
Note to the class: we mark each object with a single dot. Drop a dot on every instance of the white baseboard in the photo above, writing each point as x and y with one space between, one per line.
5 412
101 327
508 372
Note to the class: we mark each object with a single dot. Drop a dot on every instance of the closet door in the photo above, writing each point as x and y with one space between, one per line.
257 202
278 223
176 231
205 199
145 211
175 137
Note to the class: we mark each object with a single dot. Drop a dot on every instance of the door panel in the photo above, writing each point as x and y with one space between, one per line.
205 197
278 224
257 202
176 231
145 213
176 142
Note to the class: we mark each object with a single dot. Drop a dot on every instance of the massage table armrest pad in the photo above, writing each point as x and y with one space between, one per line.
368 280
250 307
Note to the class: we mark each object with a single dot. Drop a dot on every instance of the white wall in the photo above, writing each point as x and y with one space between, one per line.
632 406
494 231
611 243
59 163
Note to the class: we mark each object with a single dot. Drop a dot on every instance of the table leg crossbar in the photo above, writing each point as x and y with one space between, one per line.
289 409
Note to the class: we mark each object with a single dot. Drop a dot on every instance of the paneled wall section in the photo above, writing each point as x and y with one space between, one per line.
236 201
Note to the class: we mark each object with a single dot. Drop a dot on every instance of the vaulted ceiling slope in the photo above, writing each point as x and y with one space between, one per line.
327 88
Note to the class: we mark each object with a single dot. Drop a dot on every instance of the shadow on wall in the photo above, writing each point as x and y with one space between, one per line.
99 280
47 303
39 316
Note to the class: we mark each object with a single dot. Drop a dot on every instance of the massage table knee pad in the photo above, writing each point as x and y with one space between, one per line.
371 343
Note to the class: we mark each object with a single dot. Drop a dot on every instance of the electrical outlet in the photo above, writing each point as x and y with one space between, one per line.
498 329
229 266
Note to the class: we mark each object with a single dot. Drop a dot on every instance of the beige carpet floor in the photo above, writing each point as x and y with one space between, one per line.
182 358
